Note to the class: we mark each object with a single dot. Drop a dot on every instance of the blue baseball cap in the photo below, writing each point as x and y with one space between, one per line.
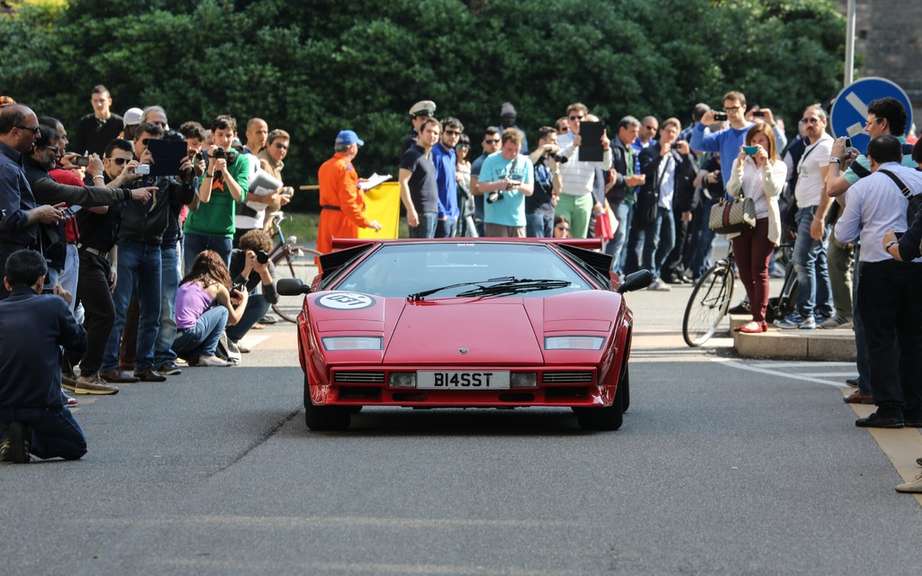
347 137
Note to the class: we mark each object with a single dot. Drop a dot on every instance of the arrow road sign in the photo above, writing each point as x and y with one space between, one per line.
850 108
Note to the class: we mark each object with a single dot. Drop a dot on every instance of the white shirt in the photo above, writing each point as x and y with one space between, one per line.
875 205
666 181
576 177
753 182
810 172
248 222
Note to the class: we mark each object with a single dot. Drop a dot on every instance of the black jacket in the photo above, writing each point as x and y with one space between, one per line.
47 191
683 198
32 327
621 158
147 223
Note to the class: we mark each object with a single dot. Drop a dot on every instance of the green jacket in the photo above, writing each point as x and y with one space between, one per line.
216 217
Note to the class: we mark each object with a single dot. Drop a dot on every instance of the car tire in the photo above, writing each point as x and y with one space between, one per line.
605 419
324 418
625 386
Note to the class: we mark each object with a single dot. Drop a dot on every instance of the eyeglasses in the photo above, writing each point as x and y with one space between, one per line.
452 133
281 146
491 141
576 118
810 120
33 129
731 108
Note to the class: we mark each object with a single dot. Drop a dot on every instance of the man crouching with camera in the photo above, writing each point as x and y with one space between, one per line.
250 267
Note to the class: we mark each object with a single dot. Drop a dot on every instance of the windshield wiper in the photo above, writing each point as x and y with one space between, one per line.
516 286
417 296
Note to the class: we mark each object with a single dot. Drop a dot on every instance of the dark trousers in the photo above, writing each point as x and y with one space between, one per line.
99 311
673 264
753 252
55 433
888 297
257 307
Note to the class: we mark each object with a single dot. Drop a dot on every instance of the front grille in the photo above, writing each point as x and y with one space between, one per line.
567 377
359 377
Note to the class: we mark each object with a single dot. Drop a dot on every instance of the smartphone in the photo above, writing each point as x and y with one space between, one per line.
759 114
720 116
750 150
80 161
848 142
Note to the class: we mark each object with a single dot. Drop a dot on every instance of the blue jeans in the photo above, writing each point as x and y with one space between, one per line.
55 433
194 244
427 224
813 285
138 266
257 306
658 239
202 339
539 224
617 248
169 282
445 228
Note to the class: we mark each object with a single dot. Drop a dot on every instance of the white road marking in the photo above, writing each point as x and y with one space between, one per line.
827 374
358 567
857 104
741 366
784 364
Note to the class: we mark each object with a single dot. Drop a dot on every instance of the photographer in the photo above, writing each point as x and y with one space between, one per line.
206 302
252 272
506 179
211 226
621 195
539 207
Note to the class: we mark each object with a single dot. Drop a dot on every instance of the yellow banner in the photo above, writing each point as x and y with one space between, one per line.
382 203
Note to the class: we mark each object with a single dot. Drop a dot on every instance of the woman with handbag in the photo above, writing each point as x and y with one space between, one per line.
758 175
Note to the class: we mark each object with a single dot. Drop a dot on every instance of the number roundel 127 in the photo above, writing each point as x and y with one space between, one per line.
345 301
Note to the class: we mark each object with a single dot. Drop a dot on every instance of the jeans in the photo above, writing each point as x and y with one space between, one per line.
202 339
169 282
674 261
257 306
617 247
445 228
55 433
138 265
539 224
702 239
69 275
99 310
658 239
813 287
426 227
195 243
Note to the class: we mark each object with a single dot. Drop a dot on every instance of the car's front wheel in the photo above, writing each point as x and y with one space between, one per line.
324 418
608 418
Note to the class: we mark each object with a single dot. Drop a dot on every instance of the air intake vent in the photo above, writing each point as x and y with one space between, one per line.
360 377
567 377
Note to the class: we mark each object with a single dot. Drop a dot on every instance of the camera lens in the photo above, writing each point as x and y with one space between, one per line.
262 257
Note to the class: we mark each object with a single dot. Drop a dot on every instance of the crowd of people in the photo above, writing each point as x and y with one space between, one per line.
163 266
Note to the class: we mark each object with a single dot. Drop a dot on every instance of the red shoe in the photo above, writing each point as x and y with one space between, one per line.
752 328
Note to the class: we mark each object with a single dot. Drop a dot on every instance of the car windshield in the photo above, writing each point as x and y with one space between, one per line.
398 270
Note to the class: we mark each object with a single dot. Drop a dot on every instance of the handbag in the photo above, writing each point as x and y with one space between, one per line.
603 225
732 216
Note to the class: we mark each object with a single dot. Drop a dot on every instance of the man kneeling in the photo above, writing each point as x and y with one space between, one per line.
33 327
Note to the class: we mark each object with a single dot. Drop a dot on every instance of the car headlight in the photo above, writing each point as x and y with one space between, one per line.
336 343
573 342
402 380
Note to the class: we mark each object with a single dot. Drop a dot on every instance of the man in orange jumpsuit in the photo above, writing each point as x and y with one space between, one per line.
342 204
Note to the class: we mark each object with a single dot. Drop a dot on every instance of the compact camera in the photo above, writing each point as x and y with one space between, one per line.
720 116
142 169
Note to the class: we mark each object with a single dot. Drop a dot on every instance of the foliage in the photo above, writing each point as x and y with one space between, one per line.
316 67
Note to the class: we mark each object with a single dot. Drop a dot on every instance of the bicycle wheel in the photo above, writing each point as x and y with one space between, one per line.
708 304
292 261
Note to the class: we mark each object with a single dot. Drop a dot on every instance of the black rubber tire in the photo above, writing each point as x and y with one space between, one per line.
604 419
625 385
719 273
324 418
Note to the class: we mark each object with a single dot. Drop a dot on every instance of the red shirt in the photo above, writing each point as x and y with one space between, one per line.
71 178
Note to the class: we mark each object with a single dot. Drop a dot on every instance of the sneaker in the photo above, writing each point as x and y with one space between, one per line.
224 351
659 286
150 375
268 319
69 382
16 444
169 369
911 487
69 400
741 308
795 320
213 361
833 322
93 384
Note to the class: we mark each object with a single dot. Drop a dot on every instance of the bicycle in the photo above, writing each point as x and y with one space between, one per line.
709 302
291 260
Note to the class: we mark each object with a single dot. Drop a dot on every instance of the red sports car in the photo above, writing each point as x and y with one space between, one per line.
465 323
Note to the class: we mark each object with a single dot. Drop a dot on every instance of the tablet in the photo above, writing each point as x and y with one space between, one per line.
168 155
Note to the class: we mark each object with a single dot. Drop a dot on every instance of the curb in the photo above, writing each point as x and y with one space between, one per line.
829 345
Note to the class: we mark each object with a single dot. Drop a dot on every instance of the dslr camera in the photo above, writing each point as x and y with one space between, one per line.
261 256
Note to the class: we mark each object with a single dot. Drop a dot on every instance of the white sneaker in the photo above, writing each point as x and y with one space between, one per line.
659 286
212 361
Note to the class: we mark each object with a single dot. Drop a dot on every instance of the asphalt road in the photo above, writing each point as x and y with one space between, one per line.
717 470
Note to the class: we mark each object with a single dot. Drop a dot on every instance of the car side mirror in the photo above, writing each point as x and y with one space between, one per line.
636 281
291 287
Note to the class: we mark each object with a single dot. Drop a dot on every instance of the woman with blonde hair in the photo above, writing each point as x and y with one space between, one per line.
206 302
758 174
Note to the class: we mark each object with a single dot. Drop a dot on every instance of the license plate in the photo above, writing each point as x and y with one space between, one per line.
451 380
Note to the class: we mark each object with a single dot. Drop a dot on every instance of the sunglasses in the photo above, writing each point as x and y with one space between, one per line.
810 120
452 133
119 161
491 141
576 118
281 146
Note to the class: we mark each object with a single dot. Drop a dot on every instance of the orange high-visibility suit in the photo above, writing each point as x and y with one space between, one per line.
342 204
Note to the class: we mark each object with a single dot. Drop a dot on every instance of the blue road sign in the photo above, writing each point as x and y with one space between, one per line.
850 108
